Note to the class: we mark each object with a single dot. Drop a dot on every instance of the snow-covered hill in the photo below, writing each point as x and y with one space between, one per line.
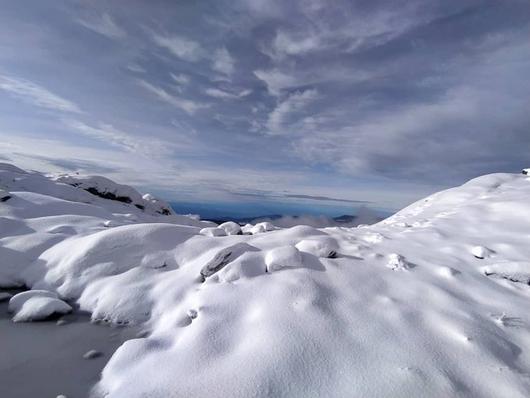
430 302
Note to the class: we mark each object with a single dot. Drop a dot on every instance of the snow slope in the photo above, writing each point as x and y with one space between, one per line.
430 302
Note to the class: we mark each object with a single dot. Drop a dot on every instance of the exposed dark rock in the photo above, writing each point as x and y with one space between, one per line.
108 195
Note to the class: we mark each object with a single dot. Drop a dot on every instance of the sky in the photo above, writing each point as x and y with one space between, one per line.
315 104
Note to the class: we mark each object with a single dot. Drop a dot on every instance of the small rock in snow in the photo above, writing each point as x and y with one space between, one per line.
481 252
4 195
397 262
526 172
92 354
192 314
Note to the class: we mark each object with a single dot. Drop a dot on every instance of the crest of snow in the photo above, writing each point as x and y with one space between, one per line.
212 231
35 305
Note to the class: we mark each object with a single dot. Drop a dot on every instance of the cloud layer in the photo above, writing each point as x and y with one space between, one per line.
351 100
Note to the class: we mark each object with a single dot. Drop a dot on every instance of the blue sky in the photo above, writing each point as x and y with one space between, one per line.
308 102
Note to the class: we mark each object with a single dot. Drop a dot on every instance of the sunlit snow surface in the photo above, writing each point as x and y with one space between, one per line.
430 302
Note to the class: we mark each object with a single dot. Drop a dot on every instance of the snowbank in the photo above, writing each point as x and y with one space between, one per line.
296 312
36 305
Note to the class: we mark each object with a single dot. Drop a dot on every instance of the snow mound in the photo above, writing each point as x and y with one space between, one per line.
231 228
283 257
321 247
212 231
36 305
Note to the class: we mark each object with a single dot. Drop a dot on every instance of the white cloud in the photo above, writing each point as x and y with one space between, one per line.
104 25
111 135
185 49
36 95
293 103
276 80
186 105
136 68
223 62
216 93
285 44
180 78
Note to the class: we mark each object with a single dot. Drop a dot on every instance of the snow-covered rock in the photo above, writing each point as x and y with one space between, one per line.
231 228
397 262
283 257
36 305
261 227
213 231
108 189
321 246
480 252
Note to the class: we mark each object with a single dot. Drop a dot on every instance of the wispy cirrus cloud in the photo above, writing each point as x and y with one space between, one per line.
37 95
291 104
188 106
217 93
180 47
104 25
223 62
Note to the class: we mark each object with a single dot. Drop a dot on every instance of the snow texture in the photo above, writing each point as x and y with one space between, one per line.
274 312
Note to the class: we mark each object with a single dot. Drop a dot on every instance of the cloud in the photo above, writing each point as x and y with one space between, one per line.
180 78
276 80
36 95
216 93
104 25
291 104
271 195
188 106
223 62
110 135
136 68
180 47
285 44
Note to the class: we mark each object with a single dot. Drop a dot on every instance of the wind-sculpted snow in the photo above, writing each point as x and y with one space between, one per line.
409 307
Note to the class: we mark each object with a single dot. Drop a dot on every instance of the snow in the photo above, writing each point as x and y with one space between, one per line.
36 305
282 257
212 231
231 228
402 308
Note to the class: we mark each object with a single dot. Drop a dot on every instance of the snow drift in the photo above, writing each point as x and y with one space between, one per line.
402 308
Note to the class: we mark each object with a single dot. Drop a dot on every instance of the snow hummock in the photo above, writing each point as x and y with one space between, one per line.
231 228
274 312
36 305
